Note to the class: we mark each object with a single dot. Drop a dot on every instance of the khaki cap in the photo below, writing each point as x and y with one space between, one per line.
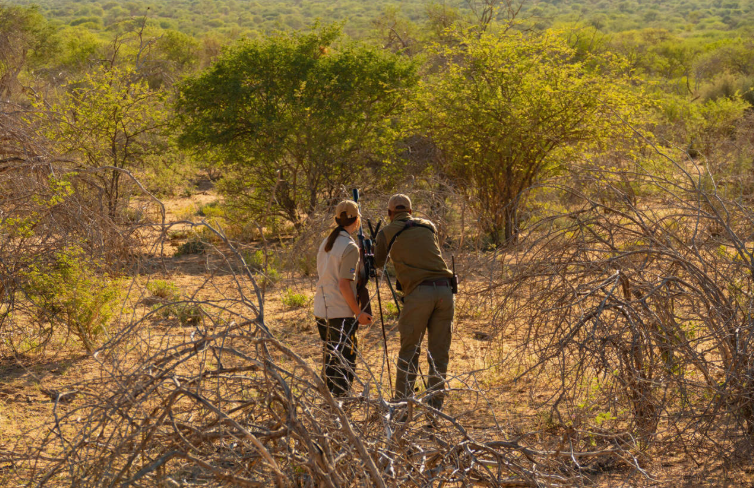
349 207
399 200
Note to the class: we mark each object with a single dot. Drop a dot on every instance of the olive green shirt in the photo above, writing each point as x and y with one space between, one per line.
415 253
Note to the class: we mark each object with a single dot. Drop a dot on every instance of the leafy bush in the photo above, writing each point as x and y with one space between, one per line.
271 91
211 210
307 264
192 246
186 212
291 299
271 278
73 293
258 260
163 289
175 235
186 313
390 309
267 267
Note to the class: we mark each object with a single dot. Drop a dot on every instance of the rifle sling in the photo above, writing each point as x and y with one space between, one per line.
410 224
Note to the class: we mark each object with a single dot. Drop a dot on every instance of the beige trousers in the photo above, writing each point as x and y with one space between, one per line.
427 309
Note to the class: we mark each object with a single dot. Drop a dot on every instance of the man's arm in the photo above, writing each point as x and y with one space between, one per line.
380 250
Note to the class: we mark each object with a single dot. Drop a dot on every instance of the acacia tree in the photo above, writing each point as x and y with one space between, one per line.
109 118
26 40
297 117
507 109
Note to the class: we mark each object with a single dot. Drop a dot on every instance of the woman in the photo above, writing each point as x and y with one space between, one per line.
335 306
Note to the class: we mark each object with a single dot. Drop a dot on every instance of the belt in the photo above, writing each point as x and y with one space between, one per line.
440 282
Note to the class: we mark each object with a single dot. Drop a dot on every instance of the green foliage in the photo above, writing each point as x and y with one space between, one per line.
264 266
306 264
390 309
110 117
211 210
168 174
259 260
164 290
193 246
700 126
189 314
291 299
169 305
26 40
74 293
232 18
270 277
509 109
297 117
185 313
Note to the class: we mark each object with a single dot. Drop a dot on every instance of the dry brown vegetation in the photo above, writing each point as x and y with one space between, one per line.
610 346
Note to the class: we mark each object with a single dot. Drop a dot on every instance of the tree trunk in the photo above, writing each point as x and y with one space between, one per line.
511 223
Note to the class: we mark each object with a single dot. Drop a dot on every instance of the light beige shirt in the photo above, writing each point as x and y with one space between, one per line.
341 262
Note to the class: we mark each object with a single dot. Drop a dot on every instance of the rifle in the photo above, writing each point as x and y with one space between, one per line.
368 270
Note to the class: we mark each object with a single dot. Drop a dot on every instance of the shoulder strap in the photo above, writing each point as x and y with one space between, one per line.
409 224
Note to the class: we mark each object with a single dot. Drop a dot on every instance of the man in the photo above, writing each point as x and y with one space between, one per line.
425 280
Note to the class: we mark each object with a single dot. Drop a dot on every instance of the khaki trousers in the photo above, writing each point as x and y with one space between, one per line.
426 309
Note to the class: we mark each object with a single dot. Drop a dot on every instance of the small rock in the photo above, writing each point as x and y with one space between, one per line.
481 336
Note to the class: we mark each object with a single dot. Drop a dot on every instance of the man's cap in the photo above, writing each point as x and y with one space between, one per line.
349 207
399 202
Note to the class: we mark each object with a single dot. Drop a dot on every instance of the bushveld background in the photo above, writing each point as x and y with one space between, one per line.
168 169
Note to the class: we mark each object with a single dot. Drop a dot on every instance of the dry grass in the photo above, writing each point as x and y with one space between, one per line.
571 362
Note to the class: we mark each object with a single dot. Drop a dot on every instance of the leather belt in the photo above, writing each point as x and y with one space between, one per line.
440 282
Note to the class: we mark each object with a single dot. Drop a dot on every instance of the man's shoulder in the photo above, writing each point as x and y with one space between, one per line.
391 228
424 222
398 225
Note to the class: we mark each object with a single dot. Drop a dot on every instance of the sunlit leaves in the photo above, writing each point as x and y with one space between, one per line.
510 108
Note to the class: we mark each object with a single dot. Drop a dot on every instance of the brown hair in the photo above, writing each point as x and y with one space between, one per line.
343 221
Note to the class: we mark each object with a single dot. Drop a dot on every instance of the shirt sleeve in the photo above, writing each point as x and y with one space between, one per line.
380 250
349 262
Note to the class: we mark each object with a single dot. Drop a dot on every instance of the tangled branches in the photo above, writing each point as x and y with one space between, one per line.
636 310
225 402
55 234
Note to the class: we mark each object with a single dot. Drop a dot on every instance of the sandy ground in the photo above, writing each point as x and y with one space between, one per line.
26 381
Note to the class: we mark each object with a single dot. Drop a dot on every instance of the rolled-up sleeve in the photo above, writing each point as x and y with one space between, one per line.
349 262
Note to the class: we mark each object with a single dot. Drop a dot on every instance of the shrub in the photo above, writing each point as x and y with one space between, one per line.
271 278
268 270
307 264
211 210
186 313
73 293
192 246
175 235
256 260
186 212
291 299
163 289
390 309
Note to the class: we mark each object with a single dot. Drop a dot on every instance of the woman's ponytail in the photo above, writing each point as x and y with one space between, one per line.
343 221
332 237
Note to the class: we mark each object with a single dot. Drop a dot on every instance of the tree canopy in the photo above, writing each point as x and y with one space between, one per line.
296 116
508 109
